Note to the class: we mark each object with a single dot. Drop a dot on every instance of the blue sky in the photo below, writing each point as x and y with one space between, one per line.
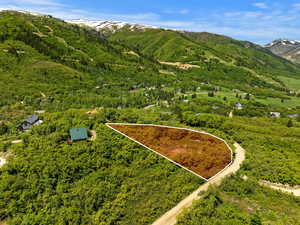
258 21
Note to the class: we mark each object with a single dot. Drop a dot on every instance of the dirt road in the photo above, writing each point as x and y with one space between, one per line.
285 188
169 218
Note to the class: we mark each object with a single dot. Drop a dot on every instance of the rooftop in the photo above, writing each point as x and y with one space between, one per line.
78 134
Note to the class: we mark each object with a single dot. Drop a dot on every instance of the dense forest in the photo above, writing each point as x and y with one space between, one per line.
67 71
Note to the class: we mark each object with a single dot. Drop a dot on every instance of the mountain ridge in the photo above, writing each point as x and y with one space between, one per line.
112 26
288 49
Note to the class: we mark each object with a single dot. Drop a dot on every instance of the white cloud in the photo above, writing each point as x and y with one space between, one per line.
261 5
296 5
252 14
184 11
32 2
232 14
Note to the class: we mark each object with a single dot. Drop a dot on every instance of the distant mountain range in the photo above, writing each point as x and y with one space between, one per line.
288 49
111 26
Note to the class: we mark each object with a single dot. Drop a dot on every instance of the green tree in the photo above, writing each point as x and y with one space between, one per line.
255 220
290 123
3 128
247 97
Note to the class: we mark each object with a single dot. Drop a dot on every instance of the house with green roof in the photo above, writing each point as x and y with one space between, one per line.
78 134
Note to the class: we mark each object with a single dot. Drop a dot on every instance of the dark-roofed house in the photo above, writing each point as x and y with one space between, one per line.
29 122
78 134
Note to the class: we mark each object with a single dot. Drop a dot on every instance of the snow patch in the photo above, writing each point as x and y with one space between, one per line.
283 42
110 25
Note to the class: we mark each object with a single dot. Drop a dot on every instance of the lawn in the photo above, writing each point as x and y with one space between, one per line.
291 83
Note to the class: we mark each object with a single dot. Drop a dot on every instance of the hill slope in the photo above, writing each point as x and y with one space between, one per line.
64 61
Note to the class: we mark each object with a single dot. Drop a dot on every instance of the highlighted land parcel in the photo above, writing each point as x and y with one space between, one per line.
200 153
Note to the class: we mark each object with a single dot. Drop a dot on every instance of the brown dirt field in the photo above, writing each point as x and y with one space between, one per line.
184 66
201 153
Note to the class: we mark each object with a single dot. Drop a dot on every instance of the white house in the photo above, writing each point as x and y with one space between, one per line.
275 114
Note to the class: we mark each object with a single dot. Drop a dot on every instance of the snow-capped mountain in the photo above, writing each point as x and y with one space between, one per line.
109 25
289 49
283 42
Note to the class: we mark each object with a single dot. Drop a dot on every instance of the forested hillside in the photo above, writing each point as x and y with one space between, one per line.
79 77
65 63
204 48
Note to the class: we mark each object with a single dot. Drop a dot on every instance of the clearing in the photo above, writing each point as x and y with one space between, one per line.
180 65
200 153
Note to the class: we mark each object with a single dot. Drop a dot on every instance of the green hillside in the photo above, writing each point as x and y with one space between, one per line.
81 63
63 61
220 59
198 48
82 78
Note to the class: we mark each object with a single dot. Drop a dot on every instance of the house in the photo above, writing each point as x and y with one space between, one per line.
29 122
275 114
78 134
239 106
32 119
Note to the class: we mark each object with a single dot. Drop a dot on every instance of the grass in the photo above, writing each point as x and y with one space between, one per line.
293 102
291 83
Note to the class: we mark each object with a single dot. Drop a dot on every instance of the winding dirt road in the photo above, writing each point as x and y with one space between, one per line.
285 188
169 218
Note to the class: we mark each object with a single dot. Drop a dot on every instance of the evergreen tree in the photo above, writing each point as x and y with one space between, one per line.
290 123
247 97
255 220
211 94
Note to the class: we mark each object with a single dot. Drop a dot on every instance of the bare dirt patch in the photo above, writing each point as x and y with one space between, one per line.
94 111
2 162
3 158
133 53
184 66
201 153
166 72
93 134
